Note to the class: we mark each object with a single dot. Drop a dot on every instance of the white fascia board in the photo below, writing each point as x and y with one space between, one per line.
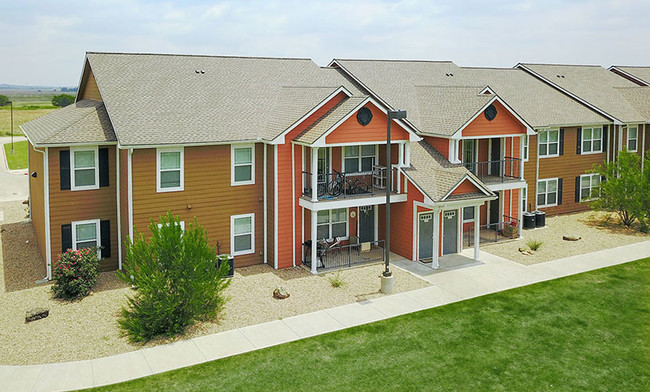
81 77
201 144
629 75
567 92
280 138
529 129
481 187
77 144
427 198
486 90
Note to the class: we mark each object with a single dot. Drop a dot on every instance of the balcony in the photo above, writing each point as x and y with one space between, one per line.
507 169
337 255
337 185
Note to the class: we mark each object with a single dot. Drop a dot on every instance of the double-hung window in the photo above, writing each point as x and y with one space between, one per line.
524 199
332 223
242 234
86 234
632 137
358 158
547 192
468 214
525 139
84 168
549 143
170 169
243 164
469 154
592 140
589 187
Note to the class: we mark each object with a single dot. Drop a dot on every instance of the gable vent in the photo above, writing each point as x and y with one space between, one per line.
560 76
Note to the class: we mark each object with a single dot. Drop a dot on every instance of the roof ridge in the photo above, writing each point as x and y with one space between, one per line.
398 60
78 120
564 65
200 55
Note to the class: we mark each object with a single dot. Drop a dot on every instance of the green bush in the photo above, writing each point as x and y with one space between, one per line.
336 280
62 100
175 279
75 273
534 244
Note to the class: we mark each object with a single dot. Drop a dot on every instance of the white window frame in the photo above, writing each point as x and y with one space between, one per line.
591 186
232 234
463 212
159 189
97 230
359 157
73 185
524 199
329 224
547 180
547 143
526 144
636 139
234 147
591 141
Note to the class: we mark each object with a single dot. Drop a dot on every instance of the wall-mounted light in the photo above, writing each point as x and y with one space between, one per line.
34 174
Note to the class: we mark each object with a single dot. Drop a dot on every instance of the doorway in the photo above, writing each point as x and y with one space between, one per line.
495 210
366 224
495 157
450 232
425 235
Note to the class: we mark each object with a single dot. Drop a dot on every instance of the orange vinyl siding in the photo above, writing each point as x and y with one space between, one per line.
440 144
483 154
465 187
401 219
507 203
91 91
70 206
37 197
124 199
353 132
503 124
207 196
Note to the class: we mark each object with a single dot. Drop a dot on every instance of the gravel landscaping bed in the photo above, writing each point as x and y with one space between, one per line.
598 230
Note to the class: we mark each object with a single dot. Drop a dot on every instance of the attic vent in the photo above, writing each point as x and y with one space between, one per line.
364 116
490 112
449 74
560 76
199 71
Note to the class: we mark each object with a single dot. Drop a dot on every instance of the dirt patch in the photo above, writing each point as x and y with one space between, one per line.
597 231
88 328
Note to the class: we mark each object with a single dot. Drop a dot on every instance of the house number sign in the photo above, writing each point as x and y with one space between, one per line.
450 214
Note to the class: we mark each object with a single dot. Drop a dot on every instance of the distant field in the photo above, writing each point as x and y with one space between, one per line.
28 105
20 116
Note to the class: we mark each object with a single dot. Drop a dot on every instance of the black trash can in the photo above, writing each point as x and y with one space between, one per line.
540 218
230 259
529 220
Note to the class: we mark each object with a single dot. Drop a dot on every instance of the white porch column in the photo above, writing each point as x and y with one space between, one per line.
314 175
436 239
521 156
314 243
521 210
477 231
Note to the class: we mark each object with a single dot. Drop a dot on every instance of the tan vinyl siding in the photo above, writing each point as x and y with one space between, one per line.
70 206
124 198
37 197
91 91
207 195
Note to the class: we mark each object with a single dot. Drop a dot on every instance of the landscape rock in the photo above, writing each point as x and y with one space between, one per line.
571 238
525 252
36 314
280 293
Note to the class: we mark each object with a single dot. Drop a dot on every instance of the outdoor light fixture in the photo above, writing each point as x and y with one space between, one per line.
392 115
34 174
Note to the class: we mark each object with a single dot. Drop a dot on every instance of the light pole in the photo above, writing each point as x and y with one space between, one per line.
12 124
387 281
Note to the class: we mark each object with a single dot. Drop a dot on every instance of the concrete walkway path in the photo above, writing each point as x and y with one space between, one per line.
460 282
14 184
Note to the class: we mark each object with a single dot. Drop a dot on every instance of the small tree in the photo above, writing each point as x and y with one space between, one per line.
75 273
62 100
622 190
4 100
176 280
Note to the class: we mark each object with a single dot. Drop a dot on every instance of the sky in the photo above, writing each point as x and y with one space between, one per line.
44 42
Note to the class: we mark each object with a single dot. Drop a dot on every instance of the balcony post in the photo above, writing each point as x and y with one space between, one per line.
521 156
314 243
314 174
436 239
477 231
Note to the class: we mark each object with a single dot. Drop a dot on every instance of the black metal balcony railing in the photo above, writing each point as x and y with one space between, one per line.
338 256
496 171
337 184
493 232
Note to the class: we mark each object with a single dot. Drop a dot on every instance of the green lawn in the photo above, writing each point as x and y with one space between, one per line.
17 160
588 332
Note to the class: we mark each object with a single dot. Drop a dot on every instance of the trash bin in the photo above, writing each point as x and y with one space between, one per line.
230 259
540 218
529 220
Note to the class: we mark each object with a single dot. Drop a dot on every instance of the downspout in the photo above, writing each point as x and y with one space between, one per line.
266 218
275 206
130 193
119 211
46 207
536 172
642 146
293 201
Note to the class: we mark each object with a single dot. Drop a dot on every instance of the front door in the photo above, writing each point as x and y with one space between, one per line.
450 232
323 170
495 157
366 224
495 209
425 235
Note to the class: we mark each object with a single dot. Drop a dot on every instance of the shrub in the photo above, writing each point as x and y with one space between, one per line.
175 278
336 280
75 273
510 229
62 100
534 244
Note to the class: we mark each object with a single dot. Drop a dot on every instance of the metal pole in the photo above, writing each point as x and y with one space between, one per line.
388 185
12 127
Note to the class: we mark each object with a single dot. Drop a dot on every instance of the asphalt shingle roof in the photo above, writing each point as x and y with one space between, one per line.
639 98
400 84
329 119
592 83
155 99
642 73
85 121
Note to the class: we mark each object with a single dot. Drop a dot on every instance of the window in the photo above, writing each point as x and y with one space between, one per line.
525 139
242 234
547 192
181 224
632 137
592 140
358 158
170 169
468 214
589 187
332 223
549 143
524 198
83 168
243 165
86 234
469 154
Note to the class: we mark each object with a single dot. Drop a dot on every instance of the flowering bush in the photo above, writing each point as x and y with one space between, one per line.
510 229
75 273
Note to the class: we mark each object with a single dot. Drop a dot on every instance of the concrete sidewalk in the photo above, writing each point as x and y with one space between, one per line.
15 183
490 275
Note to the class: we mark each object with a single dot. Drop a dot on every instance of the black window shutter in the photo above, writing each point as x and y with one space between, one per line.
103 167
66 238
578 189
559 191
579 144
605 137
561 148
105 232
64 169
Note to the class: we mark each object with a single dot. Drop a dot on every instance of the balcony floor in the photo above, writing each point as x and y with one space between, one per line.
350 201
